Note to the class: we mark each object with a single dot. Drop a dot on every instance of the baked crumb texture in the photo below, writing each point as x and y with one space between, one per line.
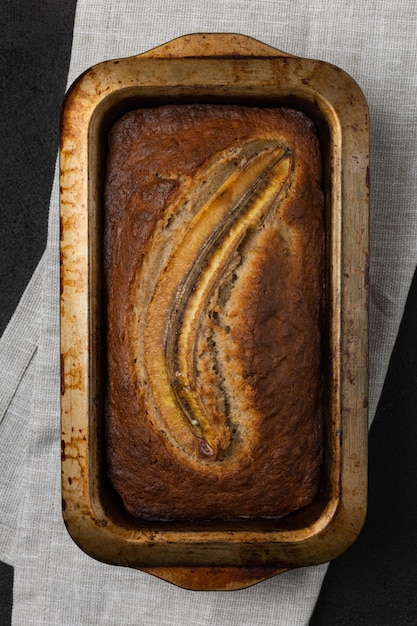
213 257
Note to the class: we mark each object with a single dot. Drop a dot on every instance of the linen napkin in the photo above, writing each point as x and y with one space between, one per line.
55 583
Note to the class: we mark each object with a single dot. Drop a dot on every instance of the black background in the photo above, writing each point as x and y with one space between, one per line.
375 582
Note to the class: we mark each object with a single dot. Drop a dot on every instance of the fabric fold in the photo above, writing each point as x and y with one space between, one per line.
20 340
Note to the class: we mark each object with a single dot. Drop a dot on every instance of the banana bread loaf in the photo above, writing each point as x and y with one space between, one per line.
214 270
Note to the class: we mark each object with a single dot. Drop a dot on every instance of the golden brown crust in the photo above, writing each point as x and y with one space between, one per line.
222 419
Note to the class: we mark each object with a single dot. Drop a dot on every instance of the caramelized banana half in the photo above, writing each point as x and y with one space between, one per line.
248 185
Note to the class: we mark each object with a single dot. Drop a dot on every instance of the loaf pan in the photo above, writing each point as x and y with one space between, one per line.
233 69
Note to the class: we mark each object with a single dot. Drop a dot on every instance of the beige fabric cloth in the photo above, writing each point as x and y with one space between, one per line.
55 583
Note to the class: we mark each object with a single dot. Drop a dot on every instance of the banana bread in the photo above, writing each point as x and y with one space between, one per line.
214 272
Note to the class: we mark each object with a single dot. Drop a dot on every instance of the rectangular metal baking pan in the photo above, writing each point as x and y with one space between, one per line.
214 68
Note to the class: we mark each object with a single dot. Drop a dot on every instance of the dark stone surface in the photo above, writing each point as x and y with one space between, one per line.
6 593
35 45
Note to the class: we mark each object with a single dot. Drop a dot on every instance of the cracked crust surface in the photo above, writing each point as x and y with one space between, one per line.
251 445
